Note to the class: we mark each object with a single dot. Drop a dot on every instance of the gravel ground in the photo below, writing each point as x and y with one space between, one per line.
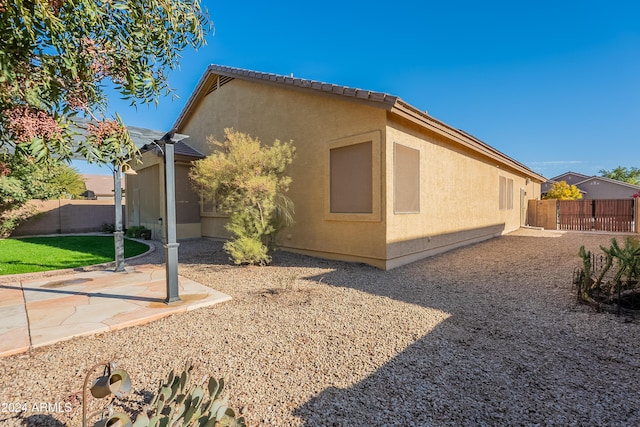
488 334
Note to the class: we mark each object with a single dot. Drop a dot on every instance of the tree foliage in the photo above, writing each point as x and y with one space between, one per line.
246 179
563 191
57 57
68 181
23 179
621 173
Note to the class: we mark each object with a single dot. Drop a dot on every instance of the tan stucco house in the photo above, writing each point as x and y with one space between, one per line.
375 180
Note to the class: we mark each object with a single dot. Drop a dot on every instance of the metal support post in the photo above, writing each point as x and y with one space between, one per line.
171 247
118 235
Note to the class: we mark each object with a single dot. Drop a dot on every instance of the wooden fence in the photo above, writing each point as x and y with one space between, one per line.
615 215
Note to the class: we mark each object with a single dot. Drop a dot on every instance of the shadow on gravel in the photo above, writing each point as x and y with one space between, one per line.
40 420
515 349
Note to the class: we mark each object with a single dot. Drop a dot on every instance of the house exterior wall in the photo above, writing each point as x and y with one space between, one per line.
145 192
600 189
188 223
459 197
147 199
315 123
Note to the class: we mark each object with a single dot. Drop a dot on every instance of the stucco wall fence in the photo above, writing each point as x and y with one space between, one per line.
67 216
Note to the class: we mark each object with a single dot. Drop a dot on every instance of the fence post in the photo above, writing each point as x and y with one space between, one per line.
636 215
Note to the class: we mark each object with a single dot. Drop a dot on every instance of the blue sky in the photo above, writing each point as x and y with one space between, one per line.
552 84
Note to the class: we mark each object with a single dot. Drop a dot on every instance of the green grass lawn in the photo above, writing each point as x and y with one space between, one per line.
54 253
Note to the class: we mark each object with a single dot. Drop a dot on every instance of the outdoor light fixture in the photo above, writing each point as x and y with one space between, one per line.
128 170
114 382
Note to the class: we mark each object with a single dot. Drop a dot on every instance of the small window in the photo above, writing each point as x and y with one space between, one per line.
208 208
506 193
351 179
407 179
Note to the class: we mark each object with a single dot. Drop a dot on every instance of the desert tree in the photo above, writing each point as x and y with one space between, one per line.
563 191
247 180
23 179
58 57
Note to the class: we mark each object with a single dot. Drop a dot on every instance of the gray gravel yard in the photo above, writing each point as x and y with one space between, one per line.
488 334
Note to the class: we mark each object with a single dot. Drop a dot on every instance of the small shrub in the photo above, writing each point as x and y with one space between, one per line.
137 231
108 228
247 250
11 219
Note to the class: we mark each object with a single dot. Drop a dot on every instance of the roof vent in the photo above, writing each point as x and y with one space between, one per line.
218 82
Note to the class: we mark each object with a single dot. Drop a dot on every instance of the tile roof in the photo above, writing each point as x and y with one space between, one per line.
180 148
101 185
304 83
391 103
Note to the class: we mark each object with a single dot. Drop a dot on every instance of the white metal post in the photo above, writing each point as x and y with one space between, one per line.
118 235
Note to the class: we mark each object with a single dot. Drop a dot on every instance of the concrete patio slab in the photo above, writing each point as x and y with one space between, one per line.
41 311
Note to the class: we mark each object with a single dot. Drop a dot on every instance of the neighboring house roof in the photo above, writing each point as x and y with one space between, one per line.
568 176
546 186
571 178
582 182
611 181
101 185
390 103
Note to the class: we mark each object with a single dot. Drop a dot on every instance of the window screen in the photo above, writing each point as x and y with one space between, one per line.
407 179
503 193
351 179
506 193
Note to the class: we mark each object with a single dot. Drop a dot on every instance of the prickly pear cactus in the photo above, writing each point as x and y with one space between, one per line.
178 404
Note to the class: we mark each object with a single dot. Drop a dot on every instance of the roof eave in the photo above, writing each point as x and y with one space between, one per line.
390 103
371 98
410 113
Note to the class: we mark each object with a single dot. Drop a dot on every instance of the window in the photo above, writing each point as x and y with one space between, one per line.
208 208
353 178
506 193
406 179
